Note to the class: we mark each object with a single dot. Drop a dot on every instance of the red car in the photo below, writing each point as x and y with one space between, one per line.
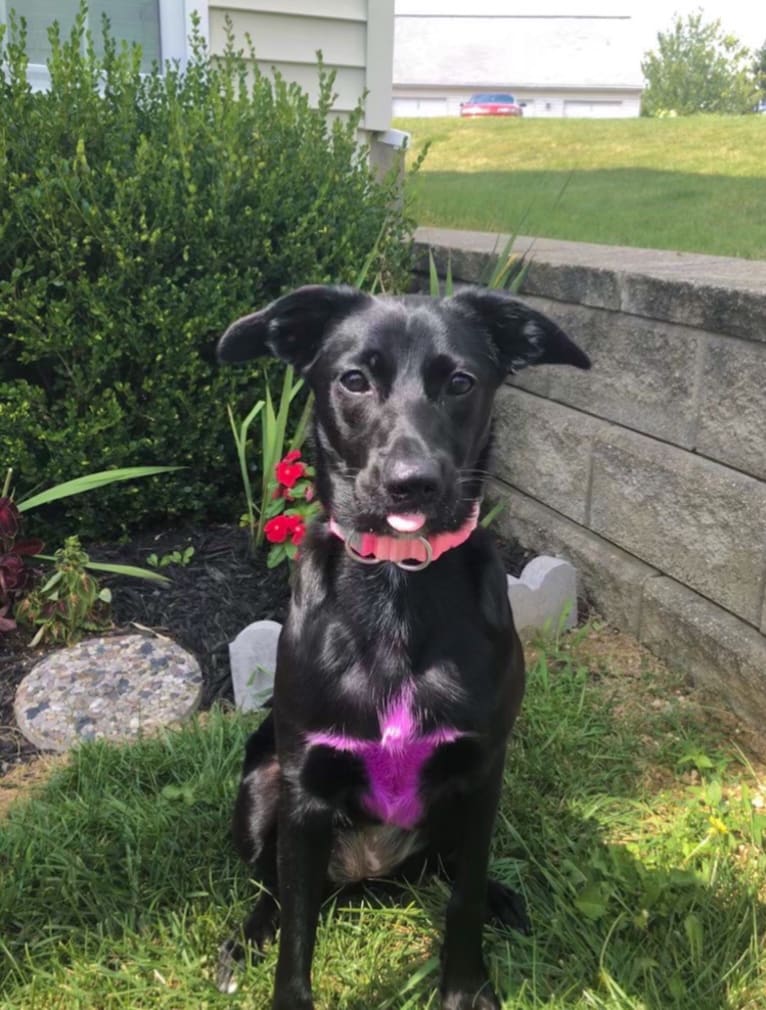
491 105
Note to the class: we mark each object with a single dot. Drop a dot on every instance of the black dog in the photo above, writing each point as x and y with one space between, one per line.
399 671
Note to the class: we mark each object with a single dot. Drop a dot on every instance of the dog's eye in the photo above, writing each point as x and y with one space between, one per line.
355 381
459 384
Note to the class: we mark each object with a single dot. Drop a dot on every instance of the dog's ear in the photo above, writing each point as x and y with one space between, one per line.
521 335
292 327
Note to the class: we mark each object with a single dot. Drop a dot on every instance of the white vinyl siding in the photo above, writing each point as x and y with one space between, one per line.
280 38
421 107
355 38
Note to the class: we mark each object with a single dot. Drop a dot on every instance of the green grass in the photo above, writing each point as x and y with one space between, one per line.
627 821
696 184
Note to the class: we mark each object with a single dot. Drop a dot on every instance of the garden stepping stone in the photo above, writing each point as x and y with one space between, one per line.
253 659
116 687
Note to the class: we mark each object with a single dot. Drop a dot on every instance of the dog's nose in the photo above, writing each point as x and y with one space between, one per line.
409 481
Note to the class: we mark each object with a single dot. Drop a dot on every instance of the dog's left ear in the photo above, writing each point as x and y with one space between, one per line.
292 327
521 335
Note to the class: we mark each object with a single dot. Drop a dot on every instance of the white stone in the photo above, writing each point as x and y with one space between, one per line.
253 660
544 596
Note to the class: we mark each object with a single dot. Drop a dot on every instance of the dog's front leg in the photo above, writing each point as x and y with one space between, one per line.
304 843
464 982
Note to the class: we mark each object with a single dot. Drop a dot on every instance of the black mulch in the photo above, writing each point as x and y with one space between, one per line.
206 605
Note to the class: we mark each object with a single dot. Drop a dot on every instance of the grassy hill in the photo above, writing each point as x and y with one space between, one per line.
696 184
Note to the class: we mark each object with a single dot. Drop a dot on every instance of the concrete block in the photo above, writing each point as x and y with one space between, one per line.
644 373
545 596
708 304
573 282
543 449
732 414
610 579
253 659
720 652
699 522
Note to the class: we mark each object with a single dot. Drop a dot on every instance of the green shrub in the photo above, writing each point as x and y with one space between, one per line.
139 215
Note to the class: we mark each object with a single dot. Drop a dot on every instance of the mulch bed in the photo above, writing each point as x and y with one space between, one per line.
208 602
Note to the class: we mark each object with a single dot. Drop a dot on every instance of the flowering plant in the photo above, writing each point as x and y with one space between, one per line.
14 574
291 506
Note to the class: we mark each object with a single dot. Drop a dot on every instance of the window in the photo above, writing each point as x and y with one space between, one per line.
159 26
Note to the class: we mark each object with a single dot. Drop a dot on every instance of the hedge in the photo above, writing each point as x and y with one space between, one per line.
139 215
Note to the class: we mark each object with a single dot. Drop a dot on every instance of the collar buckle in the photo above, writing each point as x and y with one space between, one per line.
406 566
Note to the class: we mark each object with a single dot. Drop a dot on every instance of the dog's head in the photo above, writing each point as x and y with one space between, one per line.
404 390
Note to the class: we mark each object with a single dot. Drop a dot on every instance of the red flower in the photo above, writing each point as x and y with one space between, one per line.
288 470
277 529
9 519
297 529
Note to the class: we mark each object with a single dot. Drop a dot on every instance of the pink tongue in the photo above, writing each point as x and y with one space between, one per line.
407 523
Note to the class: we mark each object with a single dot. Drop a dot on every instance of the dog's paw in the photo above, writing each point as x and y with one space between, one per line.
506 908
471 997
231 959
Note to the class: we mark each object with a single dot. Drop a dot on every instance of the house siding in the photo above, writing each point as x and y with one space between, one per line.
355 38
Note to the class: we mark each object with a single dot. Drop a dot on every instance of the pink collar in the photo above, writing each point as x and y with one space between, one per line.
410 553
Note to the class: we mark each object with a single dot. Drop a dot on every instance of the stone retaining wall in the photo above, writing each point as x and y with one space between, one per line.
648 472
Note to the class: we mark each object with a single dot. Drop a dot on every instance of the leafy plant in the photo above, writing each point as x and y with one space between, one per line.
15 576
69 603
182 558
697 67
169 201
274 424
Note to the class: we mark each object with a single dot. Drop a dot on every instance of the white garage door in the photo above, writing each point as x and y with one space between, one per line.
593 110
420 107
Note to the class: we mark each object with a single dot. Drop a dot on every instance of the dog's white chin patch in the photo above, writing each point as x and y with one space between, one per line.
409 522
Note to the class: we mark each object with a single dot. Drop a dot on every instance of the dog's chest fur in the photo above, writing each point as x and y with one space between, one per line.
386 777
393 761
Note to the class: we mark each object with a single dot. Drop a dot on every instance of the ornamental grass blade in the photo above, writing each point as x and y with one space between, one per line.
131 570
434 288
493 513
284 409
303 422
91 481
361 277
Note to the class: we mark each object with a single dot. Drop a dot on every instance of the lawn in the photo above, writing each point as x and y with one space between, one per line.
631 821
696 184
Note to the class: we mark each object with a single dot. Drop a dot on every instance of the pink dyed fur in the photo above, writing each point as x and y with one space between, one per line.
393 763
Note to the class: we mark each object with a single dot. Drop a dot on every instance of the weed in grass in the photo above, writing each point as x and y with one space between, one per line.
117 881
